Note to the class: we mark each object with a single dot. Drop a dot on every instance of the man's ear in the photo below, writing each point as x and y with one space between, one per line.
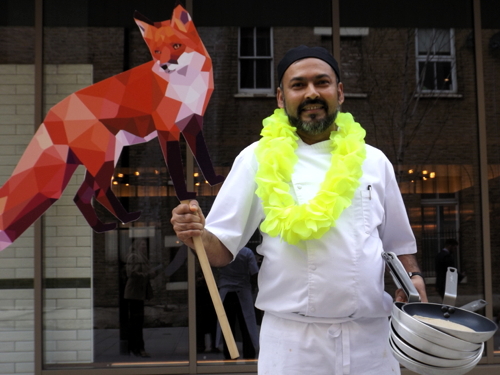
340 90
280 98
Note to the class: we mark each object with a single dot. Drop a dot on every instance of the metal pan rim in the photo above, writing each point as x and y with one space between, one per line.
427 346
430 333
473 337
429 359
420 368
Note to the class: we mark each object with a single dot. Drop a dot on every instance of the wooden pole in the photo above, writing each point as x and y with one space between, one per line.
214 294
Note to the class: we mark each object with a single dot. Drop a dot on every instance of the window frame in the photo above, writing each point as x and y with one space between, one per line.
432 57
254 90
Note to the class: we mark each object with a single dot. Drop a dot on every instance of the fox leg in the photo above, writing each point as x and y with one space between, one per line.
83 200
106 197
173 158
96 148
100 188
194 137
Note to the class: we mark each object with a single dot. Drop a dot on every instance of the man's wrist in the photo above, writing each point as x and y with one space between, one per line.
411 274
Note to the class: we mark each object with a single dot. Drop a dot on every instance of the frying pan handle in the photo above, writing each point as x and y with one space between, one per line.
400 276
450 292
474 305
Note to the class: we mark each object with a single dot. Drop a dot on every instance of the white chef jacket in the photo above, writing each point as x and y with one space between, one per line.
339 277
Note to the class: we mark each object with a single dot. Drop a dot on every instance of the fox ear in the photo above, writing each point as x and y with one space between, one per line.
182 20
142 21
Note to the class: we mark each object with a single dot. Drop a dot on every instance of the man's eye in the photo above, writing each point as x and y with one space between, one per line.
157 51
176 46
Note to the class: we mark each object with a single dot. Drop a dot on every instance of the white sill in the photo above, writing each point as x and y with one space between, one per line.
359 95
254 95
444 95
272 95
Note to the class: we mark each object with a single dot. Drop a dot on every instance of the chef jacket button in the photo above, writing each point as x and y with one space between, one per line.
312 267
312 309
299 187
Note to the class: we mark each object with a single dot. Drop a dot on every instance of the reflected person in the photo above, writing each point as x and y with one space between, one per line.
137 290
236 292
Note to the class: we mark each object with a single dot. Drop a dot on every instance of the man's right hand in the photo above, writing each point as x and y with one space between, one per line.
188 221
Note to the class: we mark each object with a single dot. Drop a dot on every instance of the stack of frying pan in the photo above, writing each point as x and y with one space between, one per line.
436 339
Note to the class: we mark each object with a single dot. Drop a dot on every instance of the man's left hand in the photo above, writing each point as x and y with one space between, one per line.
419 284
409 262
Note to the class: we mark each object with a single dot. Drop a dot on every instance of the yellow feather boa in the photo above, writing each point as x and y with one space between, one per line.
276 156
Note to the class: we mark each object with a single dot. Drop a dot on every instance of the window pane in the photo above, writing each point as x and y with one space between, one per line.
263 41
424 41
108 296
442 42
246 74
426 75
246 41
263 73
443 75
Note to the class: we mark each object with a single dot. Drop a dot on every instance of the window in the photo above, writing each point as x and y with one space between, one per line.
435 50
255 60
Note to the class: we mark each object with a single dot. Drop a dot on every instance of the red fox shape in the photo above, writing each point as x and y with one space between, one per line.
163 98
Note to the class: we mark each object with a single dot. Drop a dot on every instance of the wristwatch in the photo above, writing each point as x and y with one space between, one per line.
411 274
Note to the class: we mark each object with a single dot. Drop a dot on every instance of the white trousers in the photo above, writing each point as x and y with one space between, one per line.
290 347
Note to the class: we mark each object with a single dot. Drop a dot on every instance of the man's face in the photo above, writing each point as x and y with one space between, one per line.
311 97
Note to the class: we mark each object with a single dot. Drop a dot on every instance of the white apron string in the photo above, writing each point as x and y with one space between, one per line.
340 333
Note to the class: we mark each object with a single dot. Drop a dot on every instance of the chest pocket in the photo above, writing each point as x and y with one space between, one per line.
366 204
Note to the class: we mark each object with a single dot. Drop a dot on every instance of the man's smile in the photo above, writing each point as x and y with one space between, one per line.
312 107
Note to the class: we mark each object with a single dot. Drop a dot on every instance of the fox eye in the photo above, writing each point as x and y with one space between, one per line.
176 46
157 51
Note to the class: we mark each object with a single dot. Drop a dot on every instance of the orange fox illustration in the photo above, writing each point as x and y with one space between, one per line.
163 98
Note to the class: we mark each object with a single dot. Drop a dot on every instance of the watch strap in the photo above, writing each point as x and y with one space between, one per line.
411 274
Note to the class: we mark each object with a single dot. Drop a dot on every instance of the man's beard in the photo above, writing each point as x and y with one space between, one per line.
312 126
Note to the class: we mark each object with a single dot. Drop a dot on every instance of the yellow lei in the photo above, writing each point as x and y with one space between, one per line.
276 156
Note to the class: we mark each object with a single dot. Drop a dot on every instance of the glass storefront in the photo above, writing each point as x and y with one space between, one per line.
490 43
133 299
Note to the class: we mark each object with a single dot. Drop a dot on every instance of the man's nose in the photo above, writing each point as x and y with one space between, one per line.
312 92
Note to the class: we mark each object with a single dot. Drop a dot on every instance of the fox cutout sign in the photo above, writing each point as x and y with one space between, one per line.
163 98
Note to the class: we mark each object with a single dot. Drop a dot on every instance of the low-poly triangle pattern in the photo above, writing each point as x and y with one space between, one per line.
163 98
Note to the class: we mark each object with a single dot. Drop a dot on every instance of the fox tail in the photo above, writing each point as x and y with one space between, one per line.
37 182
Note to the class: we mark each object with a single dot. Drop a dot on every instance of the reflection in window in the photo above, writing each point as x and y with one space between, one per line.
435 58
440 222
140 297
255 59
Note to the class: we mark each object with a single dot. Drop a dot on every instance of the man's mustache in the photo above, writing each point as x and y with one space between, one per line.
310 102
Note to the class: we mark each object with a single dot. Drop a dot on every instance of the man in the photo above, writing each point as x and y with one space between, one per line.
444 259
327 206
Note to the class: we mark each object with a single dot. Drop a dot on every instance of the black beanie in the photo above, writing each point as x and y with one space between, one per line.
303 52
